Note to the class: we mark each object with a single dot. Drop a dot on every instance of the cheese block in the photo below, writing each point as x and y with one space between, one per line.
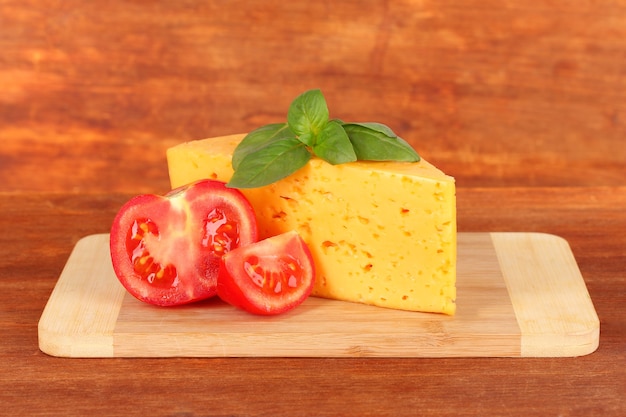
381 233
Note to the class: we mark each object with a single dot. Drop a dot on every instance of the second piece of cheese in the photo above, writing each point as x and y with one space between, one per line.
381 233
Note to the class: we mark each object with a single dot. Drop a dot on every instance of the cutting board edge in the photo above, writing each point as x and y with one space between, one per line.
539 338
61 338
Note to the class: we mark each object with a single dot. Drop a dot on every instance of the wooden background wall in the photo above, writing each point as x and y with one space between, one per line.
496 93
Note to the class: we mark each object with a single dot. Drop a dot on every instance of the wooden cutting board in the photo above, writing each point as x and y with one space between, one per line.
518 295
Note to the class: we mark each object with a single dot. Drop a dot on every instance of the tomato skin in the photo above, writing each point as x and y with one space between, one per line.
246 271
166 250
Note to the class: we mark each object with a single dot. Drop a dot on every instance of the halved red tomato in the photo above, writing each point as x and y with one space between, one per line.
269 277
166 250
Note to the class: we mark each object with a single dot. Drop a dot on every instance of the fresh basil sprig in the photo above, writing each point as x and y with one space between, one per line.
275 151
376 142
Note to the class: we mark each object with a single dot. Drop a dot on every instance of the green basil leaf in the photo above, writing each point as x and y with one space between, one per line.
376 142
307 138
270 163
260 138
333 145
308 113
377 127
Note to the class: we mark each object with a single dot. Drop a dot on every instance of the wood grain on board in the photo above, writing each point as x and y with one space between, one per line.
519 294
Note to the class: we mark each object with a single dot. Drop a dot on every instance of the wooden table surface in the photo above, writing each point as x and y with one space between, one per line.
523 102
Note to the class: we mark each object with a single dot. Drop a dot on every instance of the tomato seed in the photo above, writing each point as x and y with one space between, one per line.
143 263
271 274
220 234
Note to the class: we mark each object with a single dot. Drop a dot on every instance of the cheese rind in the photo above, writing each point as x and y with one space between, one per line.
381 233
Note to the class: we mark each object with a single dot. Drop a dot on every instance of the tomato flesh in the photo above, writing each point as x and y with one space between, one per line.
144 264
220 233
166 250
268 277
274 274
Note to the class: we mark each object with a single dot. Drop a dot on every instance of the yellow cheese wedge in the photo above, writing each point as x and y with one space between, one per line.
381 233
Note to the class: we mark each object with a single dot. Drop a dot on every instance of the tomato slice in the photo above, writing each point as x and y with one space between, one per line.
269 277
166 250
